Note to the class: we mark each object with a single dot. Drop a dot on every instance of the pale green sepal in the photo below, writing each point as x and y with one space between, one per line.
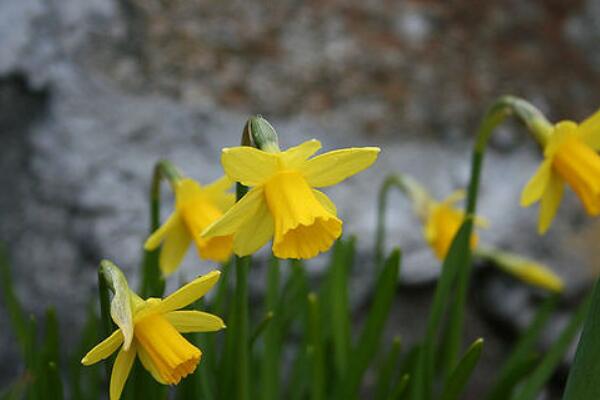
121 309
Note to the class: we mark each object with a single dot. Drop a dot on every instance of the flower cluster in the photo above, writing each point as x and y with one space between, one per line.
278 200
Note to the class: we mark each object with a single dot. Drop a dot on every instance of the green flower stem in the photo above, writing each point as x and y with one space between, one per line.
153 285
418 196
540 128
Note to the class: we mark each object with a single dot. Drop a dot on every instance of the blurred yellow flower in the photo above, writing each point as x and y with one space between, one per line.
570 155
157 340
283 203
527 270
441 222
196 207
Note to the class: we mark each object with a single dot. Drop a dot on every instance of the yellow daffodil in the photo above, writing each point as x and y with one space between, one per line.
570 155
196 207
283 203
154 335
441 222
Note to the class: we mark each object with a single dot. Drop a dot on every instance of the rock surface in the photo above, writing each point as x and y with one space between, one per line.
93 93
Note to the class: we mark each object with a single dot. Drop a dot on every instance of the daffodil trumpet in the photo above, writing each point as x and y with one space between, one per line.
283 203
152 330
525 269
571 157
196 207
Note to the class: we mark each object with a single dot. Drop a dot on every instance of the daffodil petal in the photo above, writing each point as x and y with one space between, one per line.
235 217
149 365
103 349
248 165
194 321
255 232
295 156
454 197
589 130
550 202
120 372
335 166
217 193
174 247
222 184
186 190
159 235
188 293
325 201
534 189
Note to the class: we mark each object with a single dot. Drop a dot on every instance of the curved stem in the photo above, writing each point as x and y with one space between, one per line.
153 284
541 129
408 186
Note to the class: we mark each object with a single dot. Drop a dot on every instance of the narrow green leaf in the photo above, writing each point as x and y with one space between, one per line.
386 370
295 310
461 262
339 313
260 328
300 375
583 377
369 341
554 356
521 355
85 381
423 378
16 315
461 374
50 374
316 348
399 389
33 360
16 391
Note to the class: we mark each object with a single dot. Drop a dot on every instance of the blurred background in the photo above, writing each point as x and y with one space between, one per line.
93 92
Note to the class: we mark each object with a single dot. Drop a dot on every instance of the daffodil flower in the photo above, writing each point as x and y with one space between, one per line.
196 207
441 222
154 335
283 203
570 155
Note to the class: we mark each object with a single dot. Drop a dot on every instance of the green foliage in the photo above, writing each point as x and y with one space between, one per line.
583 378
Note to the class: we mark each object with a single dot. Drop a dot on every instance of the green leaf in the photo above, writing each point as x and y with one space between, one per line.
369 341
16 391
422 381
400 388
339 312
461 374
316 352
583 377
554 356
84 381
387 368
261 327
49 371
16 315
515 367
